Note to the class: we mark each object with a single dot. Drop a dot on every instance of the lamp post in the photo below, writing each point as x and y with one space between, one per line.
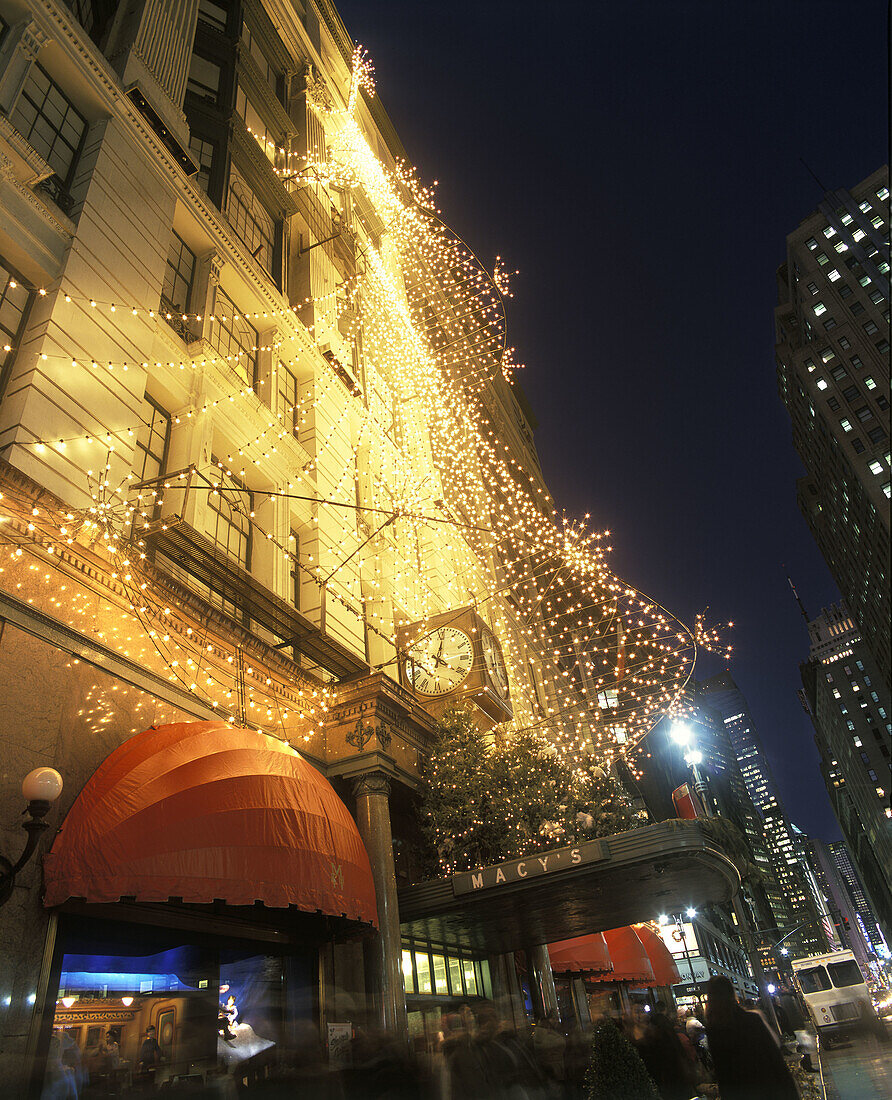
683 735
41 787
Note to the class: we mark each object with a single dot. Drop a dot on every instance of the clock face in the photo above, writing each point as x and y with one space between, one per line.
495 662
440 662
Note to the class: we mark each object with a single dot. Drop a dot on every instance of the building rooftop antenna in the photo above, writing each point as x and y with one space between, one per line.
796 595
825 190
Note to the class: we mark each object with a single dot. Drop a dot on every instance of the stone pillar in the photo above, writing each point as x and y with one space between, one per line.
384 969
540 964
580 1002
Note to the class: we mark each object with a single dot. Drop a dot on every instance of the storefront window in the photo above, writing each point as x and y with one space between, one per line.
142 1007
408 979
442 986
455 977
470 977
423 970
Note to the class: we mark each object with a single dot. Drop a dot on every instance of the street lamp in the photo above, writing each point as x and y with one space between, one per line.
41 787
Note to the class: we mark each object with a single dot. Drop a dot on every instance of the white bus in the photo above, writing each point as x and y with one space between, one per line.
835 992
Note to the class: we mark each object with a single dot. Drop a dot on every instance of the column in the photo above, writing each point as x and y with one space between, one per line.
540 964
383 970
580 1002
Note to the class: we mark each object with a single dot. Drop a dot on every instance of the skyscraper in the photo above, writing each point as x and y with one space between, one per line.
725 697
850 710
832 332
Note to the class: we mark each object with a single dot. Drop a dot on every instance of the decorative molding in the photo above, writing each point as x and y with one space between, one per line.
371 783
33 39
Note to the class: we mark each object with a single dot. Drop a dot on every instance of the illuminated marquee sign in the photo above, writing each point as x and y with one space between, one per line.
518 870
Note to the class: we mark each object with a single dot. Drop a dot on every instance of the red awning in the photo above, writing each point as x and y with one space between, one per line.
630 961
204 811
664 968
581 955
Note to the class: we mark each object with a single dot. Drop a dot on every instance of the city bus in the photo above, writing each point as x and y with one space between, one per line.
835 992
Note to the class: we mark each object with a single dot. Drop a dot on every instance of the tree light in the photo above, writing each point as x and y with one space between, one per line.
662 919
693 757
690 913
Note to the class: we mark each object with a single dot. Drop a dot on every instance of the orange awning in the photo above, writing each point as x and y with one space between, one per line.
664 968
581 955
204 811
630 961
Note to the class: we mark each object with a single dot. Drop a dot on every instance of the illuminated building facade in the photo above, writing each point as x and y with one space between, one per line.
724 696
264 464
849 706
832 350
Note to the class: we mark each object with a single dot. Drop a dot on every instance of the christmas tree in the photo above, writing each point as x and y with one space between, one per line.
486 800
616 1072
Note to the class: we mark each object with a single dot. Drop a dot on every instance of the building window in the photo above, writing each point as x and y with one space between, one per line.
844 343
229 516
251 222
213 14
863 414
820 308
821 384
203 154
833 404
287 405
149 458
50 122
876 435
14 302
850 393
832 276
177 289
257 128
233 337
829 324
856 362
858 446
845 425
883 402
204 78
813 287
855 308
811 244
839 373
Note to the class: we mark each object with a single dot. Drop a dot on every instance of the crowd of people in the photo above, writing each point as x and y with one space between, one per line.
727 1052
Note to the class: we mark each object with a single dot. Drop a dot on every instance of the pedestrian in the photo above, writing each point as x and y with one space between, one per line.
149 1057
747 1060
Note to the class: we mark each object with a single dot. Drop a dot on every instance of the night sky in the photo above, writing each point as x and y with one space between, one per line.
639 163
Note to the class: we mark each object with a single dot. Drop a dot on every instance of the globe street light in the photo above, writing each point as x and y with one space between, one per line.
41 787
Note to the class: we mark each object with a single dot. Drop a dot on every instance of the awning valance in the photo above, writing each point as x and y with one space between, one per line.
664 968
204 811
581 955
630 961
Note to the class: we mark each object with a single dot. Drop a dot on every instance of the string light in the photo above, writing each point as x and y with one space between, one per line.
420 498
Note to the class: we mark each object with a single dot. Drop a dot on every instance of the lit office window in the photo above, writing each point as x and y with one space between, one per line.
876 467
840 246
811 244
833 275
859 235
869 382
877 222
846 219
882 194
829 232
845 425
864 207
821 384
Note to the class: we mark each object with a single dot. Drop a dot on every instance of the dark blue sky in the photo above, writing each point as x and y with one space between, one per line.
639 163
